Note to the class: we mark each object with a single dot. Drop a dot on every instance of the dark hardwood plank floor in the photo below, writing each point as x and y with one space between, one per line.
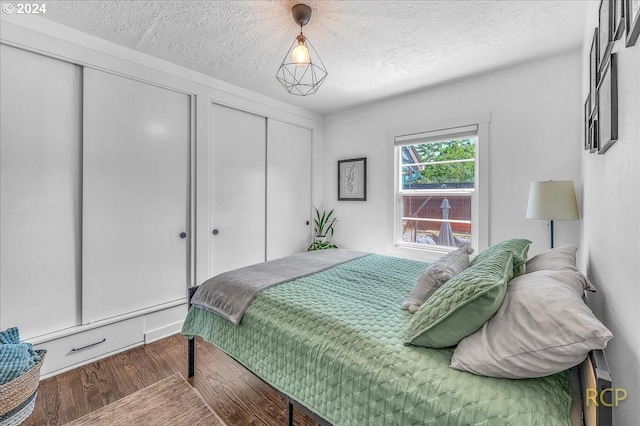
234 393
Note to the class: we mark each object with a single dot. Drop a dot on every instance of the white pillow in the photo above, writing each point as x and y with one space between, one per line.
561 258
557 258
542 327
436 275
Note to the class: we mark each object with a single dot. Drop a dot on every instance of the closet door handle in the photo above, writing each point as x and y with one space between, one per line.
183 235
215 232
88 346
307 223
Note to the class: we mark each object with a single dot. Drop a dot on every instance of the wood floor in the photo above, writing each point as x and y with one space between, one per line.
236 395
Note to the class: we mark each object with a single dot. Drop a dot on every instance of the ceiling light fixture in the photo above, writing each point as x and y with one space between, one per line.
302 71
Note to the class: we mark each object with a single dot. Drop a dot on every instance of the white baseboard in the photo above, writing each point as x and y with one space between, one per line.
161 333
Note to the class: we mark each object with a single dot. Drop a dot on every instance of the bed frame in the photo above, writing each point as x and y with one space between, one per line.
596 390
591 384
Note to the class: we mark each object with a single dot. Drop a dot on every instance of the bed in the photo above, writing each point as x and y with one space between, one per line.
332 342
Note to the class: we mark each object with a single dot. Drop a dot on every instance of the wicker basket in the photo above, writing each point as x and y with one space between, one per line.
18 397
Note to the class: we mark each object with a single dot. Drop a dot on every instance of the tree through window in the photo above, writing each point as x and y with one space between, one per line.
436 191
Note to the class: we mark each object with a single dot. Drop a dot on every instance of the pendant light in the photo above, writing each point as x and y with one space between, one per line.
302 71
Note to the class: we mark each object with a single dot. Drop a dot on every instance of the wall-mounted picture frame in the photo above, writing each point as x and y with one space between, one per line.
587 122
617 19
593 70
632 19
593 134
605 42
352 179
608 106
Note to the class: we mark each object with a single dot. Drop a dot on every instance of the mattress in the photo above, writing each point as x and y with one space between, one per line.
333 342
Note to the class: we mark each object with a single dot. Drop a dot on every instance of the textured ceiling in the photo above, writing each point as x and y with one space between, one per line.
371 49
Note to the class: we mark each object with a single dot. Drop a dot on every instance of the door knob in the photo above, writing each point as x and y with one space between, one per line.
183 235
215 232
307 223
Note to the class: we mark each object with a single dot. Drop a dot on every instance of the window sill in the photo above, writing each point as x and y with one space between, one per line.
424 254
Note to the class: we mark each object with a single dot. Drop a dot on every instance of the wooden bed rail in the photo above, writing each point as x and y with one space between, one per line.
596 387
596 390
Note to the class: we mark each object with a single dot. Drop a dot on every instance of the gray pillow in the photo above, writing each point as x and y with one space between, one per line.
542 327
435 275
557 258
561 258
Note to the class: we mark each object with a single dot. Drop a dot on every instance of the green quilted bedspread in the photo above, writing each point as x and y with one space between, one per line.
333 342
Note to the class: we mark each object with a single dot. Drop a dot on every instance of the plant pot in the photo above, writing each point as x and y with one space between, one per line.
321 239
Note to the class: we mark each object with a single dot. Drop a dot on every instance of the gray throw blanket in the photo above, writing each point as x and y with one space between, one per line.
229 294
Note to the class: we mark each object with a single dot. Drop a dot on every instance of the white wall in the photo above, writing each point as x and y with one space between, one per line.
535 133
610 231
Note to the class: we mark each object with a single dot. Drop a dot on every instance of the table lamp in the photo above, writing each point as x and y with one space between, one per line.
552 200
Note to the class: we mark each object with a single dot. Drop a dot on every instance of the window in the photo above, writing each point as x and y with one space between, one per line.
438 183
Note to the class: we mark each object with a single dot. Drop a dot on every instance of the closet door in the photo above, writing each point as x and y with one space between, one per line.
288 189
40 146
135 195
236 189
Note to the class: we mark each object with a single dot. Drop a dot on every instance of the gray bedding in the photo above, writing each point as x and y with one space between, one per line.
230 293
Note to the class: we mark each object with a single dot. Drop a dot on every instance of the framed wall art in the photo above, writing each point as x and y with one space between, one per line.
608 106
617 19
594 138
587 122
593 70
352 179
632 19
605 41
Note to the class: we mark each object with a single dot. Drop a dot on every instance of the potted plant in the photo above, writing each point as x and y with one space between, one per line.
323 228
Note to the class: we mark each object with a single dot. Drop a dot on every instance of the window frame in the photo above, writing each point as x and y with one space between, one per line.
479 195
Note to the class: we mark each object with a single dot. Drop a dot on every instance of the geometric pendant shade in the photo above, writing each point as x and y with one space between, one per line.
302 71
304 78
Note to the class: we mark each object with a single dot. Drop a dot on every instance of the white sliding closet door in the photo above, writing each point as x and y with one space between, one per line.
40 149
236 189
135 195
288 189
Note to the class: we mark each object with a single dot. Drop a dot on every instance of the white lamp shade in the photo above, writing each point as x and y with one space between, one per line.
552 200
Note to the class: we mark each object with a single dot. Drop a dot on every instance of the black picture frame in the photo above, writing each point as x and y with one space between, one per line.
605 42
617 19
594 140
608 105
594 73
632 19
587 123
352 179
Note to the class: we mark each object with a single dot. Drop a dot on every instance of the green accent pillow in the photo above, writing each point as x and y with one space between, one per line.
463 304
518 246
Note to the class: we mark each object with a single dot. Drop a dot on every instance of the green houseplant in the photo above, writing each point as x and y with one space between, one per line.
323 228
